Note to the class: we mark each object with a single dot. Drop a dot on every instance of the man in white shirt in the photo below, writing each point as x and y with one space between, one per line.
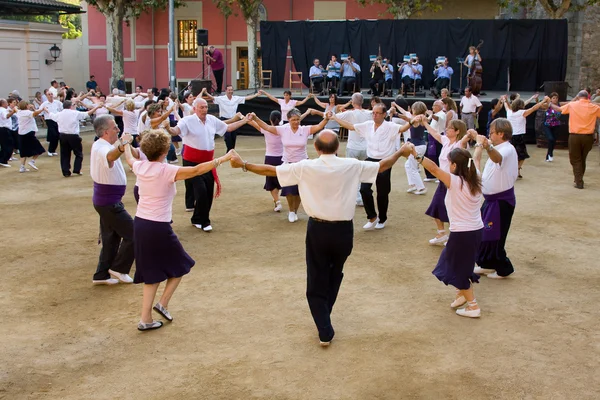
469 108
6 136
70 141
228 106
52 136
329 233
53 89
316 76
357 145
116 225
497 181
438 122
198 133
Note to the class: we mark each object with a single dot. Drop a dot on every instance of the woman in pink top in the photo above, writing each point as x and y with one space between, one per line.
273 156
463 202
286 103
158 252
456 137
294 138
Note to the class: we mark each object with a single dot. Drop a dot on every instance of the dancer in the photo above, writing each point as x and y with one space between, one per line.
158 253
53 105
417 137
463 199
294 138
116 225
286 103
498 181
456 137
551 125
517 116
273 155
329 233
450 108
438 121
6 137
29 145
331 106
380 136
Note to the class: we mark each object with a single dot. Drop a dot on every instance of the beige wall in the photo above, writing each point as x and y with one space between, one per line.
26 45
465 9
76 56
324 10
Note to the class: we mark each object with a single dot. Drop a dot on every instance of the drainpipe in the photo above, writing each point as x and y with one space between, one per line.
172 73
225 52
291 10
153 54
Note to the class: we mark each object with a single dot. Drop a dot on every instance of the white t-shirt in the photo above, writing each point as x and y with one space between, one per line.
381 142
201 135
26 122
5 121
187 109
440 124
446 149
355 141
68 121
143 122
130 121
518 121
54 91
54 107
497 178
100 170
285 108
336 200
464 209
156 183
469 104
228 108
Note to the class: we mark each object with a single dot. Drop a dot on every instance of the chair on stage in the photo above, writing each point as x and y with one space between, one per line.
414 89
266 75
296 79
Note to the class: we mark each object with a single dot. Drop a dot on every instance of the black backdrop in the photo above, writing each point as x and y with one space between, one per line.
535 50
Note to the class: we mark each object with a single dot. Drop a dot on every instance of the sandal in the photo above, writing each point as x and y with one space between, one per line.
163 311
520 176
142 326
459 302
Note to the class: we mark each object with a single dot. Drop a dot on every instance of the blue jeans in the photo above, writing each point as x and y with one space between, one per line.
551 133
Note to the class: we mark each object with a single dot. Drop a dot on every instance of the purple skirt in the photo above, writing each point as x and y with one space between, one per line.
437 208
457 261
271 182
158 253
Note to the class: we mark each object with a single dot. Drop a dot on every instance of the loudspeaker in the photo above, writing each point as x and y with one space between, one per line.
198 85
202 37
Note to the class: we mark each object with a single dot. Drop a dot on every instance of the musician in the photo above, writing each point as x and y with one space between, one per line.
333 71
473 55
389 75
443 75
349 71
316 76
377 77
410 73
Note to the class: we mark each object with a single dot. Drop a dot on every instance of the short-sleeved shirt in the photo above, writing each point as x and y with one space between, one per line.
355 141
5 121
315 72
130 121
381 142
464 209
335 200
294 144
100 170
68 121
469 104
156 182
201 135
517 120
227 107
187 109
92 85
498 178
286 107
26 122
273 144
54 107
582 116
447 147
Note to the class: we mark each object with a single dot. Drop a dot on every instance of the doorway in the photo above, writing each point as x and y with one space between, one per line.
242 67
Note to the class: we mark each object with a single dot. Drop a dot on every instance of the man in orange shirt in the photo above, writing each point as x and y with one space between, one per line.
582 124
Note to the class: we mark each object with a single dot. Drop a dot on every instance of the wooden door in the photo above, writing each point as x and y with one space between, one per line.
242 67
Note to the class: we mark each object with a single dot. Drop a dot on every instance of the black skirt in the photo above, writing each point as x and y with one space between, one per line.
271 182
30 146
519 143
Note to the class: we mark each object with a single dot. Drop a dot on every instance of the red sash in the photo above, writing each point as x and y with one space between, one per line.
201 156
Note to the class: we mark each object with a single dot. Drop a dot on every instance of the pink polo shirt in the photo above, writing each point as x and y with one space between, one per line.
285 108
156 182
294 144
273 143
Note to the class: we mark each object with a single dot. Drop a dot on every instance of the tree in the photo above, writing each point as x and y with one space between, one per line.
403 9
117 12
249 9
554 8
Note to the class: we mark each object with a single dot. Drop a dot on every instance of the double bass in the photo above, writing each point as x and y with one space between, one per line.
474 78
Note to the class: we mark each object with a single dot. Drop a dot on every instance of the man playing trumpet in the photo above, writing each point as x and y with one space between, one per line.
443 74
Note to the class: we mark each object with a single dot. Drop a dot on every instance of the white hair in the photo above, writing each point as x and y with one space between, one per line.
357 98
197 101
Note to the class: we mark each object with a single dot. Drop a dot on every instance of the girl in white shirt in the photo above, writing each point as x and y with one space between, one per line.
463 201
286 104
29 145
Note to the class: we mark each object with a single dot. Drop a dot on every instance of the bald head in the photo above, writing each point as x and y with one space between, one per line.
327 142
583 94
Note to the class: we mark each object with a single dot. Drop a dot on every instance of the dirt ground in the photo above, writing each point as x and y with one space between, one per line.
242 327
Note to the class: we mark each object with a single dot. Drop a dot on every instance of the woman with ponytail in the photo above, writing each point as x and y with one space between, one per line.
463 202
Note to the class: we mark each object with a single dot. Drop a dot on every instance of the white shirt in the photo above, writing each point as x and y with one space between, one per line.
381 142
26 122
447 147
440 124
518 121
5 121
201 135
355 141
100 170
130 121
464 209
54 91
112 102
187 109
285 108
498 178
143 122
335 201
68 120
228 108
469 104
54 107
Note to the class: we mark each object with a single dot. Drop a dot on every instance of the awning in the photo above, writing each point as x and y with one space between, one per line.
37 7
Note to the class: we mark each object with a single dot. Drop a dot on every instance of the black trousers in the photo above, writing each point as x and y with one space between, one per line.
219 78
15 136
6 145
384 186
52 136
199 191
494 256
229 137
318 83
119 121
116 232
389 84
373 84
70 143
346 85
334 81
409 82
440 84
328 245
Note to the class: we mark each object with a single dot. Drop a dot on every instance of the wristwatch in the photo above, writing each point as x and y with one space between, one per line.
490 147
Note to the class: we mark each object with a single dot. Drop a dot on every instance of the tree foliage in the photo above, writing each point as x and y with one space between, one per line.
402 9
554 8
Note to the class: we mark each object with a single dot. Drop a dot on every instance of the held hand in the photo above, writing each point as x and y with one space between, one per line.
250 116
329 115
536 95
236 161
126 138
546 99
239 115
481 140
472 133
227 156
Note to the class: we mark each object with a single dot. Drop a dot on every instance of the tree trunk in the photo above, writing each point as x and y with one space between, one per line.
114 20
554 11
253 72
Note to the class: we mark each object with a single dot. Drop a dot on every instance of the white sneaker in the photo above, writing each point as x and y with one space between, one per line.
5 165
207 228
549 159
109 281
277 206
411 189
371 225
54 154
121 277
295 217
428 179
310 137
494 275
360 203
197 226
463 312
483 271
50 154
292 216
189 210
178 153
420 191
32 165
437 181
438 240
23 169
175 161
12 159
380 225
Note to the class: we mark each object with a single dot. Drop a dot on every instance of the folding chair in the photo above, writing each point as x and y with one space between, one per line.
297 81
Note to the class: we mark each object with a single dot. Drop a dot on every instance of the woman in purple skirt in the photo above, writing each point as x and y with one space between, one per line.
456 137
159 255
463 202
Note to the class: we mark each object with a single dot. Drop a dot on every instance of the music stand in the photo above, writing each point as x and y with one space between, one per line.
461 61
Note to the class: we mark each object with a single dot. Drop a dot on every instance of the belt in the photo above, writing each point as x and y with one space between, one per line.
328 222
66 133
468 113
